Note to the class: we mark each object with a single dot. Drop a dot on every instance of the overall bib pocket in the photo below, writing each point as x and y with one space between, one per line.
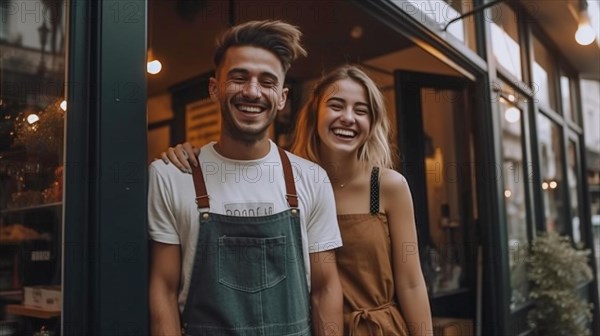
251 264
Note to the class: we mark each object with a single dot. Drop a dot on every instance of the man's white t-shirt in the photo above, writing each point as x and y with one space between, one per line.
239 188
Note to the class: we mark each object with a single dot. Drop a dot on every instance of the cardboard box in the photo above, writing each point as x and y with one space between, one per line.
43 297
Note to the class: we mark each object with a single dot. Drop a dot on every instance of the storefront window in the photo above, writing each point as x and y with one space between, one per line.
32 110
515 179
4 22
443 11
552 184
544 75
505 39
572 173
567 94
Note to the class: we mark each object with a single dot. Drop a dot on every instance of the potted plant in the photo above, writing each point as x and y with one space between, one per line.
555 269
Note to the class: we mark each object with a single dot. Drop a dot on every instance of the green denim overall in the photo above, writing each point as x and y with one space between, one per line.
248 276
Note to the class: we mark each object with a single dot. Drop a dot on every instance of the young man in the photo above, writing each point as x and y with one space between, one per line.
231 243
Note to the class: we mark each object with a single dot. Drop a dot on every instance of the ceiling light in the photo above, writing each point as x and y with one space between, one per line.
356 32
585 34
153 66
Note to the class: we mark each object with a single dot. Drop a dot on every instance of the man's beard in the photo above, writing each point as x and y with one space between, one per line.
234 129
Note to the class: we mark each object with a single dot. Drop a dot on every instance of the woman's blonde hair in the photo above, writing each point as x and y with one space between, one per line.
376 150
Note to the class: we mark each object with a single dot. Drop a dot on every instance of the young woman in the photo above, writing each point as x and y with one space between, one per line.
344 127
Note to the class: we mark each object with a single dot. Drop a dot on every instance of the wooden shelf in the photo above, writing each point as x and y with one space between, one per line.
32 207
13 153
12 293
30 311
18 242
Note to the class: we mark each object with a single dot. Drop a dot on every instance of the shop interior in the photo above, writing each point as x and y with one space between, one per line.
32 110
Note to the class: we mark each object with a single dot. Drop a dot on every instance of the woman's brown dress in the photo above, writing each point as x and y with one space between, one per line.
365 269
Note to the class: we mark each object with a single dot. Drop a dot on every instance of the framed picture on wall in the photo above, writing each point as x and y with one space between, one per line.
158 140
202 122
196 118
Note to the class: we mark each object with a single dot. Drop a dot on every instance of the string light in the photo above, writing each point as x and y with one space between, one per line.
32 118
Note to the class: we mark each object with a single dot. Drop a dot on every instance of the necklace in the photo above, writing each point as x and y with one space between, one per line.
342 185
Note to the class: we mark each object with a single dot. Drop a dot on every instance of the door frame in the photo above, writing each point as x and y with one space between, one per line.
105 249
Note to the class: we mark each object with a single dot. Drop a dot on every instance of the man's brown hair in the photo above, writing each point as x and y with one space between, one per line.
278 37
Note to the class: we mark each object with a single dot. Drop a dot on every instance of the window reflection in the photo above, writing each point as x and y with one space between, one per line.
550 139
505 39
514 178
544 74
565 91
32 106
572 173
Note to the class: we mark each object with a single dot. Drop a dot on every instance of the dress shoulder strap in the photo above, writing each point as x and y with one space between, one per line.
374 206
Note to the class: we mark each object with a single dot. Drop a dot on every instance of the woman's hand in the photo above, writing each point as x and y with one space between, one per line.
181 156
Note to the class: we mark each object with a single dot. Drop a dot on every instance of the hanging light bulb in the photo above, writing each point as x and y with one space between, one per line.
63 105
512 114
153 66
585 34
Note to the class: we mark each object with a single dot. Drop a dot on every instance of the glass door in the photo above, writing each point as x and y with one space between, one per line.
32 119
437 157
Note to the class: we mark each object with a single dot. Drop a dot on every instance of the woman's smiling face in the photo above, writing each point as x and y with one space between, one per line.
344 117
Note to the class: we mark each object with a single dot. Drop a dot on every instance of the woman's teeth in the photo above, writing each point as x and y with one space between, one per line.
343 132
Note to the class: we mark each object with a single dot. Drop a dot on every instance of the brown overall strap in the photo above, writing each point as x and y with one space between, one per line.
200 186
290 186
